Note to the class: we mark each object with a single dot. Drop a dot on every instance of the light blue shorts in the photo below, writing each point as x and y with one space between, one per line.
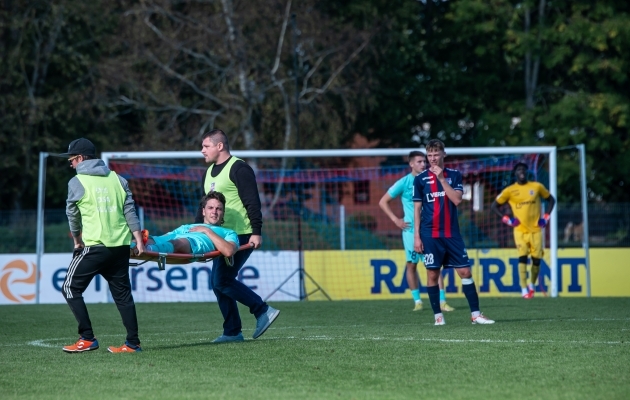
412 256
199 242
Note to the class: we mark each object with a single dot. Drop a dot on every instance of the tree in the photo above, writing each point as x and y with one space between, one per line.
230 64
47 76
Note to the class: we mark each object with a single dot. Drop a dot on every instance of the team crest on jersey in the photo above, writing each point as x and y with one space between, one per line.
531 192
211 187
449 181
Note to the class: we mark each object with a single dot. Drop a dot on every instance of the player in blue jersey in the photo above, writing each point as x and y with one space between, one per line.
403 188
199 238
436 194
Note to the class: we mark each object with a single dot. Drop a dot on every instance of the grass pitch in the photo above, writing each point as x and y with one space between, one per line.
544 348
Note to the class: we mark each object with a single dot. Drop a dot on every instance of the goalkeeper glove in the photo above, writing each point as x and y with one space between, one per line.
510 221
542 222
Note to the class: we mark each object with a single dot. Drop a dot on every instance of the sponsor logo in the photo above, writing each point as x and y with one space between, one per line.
431 196
523 204
15 275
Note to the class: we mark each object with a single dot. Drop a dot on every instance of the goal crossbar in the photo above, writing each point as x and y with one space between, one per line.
551 151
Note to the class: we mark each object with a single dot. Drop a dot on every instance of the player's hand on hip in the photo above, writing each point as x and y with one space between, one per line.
544 220
402 224
256 240
510 221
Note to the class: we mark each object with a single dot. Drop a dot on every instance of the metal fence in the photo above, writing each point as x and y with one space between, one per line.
609 226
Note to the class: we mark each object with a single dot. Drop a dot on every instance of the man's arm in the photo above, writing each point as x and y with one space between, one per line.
418 247
199 215
384 204
226 248
245 181
75 193
453 195
551 202
495 208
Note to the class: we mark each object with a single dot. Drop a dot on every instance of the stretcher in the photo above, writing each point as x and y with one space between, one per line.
162 259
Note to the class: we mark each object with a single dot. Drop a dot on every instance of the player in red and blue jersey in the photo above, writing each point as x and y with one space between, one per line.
436 194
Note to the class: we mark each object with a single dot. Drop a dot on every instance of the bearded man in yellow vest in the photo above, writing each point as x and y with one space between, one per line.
102 218
236 180
524 198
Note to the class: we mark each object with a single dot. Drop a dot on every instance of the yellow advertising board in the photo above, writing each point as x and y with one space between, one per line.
380 274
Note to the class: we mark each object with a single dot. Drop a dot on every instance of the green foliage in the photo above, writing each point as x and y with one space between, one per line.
573 348
146 76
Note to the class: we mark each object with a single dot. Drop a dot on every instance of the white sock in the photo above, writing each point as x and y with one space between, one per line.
475 314
439 315
418 301
524 290
531 286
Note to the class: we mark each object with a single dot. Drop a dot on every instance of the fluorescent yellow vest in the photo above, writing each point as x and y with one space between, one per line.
101 210
235 213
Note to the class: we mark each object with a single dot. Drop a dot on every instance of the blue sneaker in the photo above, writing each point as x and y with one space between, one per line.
229 339
264 321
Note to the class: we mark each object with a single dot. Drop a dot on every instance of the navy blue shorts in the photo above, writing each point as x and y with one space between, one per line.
445 252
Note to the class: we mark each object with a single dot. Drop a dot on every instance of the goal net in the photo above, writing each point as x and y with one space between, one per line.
324 235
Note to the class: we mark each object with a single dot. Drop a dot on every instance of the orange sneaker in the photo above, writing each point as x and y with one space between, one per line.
125 348
81 345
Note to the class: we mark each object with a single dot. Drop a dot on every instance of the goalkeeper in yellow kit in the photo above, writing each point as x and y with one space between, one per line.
524 198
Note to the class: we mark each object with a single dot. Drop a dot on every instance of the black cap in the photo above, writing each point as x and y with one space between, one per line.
80 147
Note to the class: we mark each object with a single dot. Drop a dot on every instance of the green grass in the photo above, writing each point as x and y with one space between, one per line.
544 348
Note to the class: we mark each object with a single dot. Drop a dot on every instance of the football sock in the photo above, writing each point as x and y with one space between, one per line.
522 271
166 247
416 295
442 296
470 291
535 272
524 291
434 298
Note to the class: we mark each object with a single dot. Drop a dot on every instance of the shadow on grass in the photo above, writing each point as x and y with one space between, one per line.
200 344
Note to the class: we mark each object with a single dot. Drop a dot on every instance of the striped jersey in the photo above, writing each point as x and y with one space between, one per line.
438 218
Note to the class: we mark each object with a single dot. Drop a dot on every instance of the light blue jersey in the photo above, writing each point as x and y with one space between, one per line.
403 188
199 242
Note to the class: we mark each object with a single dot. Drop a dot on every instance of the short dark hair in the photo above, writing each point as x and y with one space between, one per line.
217 136
416 153
519 164
435 144
213 195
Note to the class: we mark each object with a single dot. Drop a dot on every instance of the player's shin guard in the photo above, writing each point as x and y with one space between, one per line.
535 270
434 298
470 291
522 272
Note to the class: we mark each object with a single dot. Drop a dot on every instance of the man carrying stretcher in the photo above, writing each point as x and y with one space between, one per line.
198 238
